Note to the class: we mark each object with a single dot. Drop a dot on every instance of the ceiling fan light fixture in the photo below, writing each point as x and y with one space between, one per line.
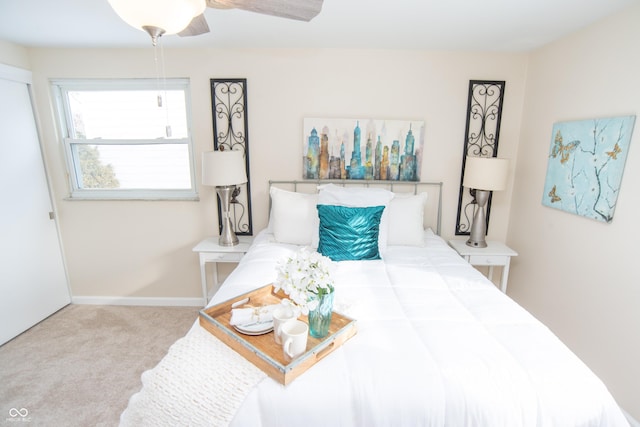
171 16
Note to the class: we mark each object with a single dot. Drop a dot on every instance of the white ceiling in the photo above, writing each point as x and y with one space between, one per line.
495 25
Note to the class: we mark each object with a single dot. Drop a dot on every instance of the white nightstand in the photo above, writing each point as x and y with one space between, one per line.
495 254
210 251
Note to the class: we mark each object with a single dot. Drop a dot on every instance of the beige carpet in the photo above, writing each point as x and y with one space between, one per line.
80 366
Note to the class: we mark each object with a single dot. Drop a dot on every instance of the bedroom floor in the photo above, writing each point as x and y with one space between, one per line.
80 366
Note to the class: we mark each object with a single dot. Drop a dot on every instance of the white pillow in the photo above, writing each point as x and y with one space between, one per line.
331 194
406 220
294 217
355 197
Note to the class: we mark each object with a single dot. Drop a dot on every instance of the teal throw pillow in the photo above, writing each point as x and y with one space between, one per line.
349 233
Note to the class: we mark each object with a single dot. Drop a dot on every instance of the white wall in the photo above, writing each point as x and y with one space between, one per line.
144 248
579 276
14 55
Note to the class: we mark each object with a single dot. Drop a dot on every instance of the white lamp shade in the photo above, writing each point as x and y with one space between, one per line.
221 168
486 173
172 16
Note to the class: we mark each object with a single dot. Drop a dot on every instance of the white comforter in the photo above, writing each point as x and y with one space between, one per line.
437 345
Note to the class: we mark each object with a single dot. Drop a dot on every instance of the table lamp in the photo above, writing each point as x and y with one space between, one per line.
483 174
224 170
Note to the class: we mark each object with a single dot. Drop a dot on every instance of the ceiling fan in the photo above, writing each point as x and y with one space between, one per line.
186 17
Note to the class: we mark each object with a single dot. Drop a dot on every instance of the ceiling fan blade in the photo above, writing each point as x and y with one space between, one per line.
197 26
301 10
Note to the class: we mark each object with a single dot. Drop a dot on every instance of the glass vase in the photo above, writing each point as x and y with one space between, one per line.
320 318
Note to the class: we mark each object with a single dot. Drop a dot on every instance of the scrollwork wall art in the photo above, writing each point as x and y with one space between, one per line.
230 132
484 113
585 166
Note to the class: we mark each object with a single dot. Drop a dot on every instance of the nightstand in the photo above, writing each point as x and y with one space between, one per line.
495 254
210 251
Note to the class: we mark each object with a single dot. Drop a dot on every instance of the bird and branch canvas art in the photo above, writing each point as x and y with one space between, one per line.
362 149
585 166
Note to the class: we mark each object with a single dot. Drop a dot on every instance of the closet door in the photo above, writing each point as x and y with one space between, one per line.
33 282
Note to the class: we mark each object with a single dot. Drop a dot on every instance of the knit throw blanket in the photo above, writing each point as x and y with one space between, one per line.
200 382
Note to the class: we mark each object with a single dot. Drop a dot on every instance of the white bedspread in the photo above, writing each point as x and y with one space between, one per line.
437 345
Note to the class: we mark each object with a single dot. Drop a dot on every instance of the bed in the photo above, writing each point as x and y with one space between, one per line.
437 344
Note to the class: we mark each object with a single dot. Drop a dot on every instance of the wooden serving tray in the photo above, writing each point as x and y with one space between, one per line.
262 350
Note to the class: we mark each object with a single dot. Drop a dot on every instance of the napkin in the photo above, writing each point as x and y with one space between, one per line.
246 316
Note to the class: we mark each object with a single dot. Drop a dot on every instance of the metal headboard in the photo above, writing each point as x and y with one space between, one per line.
311 186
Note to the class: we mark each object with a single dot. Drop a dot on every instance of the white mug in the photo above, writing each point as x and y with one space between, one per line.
294 338
281 315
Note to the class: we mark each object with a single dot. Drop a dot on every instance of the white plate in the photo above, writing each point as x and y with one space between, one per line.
255 329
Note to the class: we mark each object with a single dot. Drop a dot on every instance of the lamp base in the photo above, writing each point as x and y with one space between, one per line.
474 244
479 225
227 235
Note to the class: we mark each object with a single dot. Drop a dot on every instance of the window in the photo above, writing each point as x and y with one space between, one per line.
126 139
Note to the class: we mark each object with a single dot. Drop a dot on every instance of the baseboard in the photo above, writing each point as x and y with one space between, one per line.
633 422
144 301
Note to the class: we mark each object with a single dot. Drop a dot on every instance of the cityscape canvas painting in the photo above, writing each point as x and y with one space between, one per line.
585 166
366 149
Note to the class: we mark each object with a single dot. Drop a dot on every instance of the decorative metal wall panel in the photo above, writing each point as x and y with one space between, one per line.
230 132
484 112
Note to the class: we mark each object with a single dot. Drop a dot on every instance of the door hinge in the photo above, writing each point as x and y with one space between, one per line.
52 215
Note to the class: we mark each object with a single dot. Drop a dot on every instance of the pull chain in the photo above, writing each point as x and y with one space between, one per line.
162 89
167 128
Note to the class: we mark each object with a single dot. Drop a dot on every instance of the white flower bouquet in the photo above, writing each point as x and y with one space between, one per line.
305 277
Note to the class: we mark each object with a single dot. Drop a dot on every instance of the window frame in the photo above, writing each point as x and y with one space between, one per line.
60 89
